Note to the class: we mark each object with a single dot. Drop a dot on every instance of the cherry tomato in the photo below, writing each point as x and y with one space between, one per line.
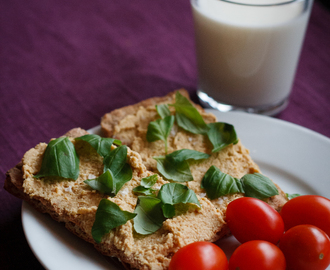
257 254
252 219
198 256
307 209
306 247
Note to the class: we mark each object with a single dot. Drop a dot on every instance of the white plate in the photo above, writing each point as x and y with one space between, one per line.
296 158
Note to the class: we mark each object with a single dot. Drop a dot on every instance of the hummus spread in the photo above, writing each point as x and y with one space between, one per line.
131 126
76 203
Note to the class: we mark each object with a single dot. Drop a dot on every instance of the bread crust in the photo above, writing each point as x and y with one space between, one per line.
111 119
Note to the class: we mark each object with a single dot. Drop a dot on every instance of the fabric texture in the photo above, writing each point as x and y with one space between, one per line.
64 64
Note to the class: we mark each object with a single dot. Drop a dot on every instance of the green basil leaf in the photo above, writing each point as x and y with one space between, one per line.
160 130
116 160
146 185
221 135
258 186
149 215
291 196
144 191
60 159
108 184
108 216
187 116
173 193
179 172
217 183
168 210
116 163
101 145
163 110
149 181
104 183
123 176
185 154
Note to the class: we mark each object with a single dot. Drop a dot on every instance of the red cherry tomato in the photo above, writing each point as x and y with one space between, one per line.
257 254
198 256
306 247
307 209
252 219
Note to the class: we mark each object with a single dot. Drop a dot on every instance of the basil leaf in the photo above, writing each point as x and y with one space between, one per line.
60 159
101 145
217 183
116 160
185 154
187 116
175 167
144 191
163 110
173 193
149 181
146 185
221 135
179 172
291 196
104 183
160 130
149 215
258 186
107 183
116 163
108 216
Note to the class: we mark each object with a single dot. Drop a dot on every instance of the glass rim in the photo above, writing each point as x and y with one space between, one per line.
263 5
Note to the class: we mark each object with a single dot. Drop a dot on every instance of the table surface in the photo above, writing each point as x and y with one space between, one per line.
64 64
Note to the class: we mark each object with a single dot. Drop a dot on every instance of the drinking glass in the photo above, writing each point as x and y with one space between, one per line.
248 51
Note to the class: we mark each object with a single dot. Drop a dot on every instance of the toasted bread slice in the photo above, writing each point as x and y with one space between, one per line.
130 124
75 204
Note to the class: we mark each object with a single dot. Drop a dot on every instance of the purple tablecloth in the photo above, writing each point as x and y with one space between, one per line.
64 64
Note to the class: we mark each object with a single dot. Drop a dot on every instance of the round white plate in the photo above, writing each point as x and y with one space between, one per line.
296 158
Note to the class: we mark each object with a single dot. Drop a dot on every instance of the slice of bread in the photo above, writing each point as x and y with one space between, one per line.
75 204
130 124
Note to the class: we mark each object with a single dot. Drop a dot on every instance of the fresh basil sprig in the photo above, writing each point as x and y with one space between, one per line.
187 116
175 166
107 183
149 215
160 130
179 172
186 154
146 185
172 194
108 216
116 162
217 184
221 135
163 110
152 212
60 159
258 186
101 145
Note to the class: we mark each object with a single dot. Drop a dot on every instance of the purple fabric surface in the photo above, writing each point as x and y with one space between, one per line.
64 64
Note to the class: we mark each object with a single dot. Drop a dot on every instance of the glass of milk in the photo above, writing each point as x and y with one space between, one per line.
248 51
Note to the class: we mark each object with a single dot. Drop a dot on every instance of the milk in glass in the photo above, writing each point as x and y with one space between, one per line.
247 55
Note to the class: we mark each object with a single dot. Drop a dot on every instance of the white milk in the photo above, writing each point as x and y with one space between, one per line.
247 56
